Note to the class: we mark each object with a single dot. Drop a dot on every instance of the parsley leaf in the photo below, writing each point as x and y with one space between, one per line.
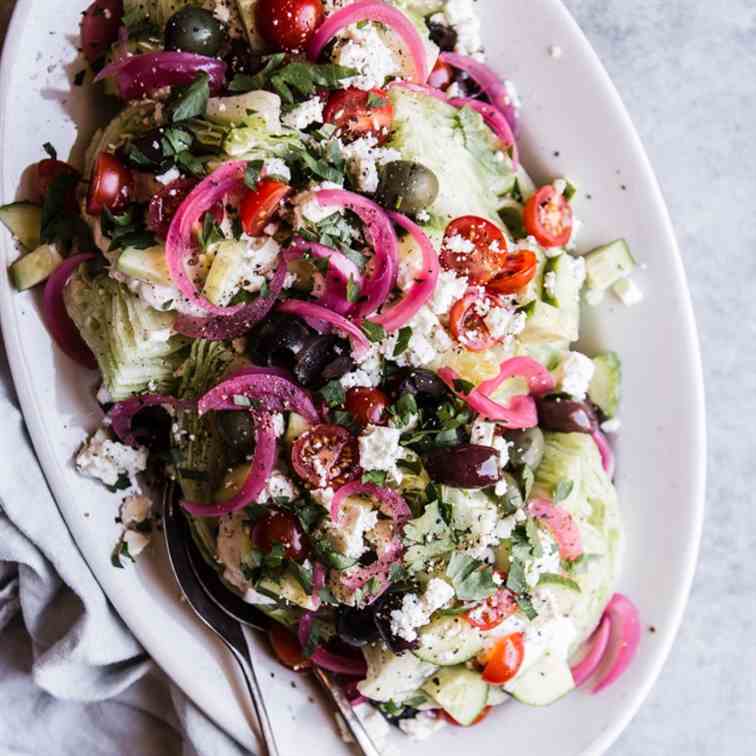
211 231
562 490
402 341
375 333
463 387
352 290
551 578
191 101
516 577
376 477
375 100
472 580
333 394
252 173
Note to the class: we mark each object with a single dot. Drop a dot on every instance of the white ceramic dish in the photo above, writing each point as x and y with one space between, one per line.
574 125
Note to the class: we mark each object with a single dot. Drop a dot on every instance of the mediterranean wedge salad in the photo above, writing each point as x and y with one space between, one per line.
326 299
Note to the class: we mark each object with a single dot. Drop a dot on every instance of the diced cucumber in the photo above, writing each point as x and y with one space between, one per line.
239 110
226 272
24 221
547 324
448 641
34 267
561 282
296 427
606 384
628 292
608 264
544 683
147 265
287 587
392 677
462 693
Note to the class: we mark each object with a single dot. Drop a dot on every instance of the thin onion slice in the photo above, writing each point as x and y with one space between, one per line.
370 10
605 450
341 665
422 290
597 644
490 83
496 121
57 319
122 414
561 525
423 89
262 465
540 381
318 582
380 235
310 311
391 503
140 76
624 640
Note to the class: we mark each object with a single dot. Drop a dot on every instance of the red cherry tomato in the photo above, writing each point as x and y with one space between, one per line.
450 719
111 185
548 217
473 247
99 27
165 203
519 269
441 76
289 24
467 320
46 171
286 648
326 455
366 405
258 205
505 659
493 611
277 527
358 113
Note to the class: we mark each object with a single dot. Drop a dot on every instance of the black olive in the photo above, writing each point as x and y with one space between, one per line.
147 153
241 60
465 466
357 626
527 447
237 431
313 359
444 36
388 603
152 428
407 187
279 341
342 365
566 416
194 30
427 388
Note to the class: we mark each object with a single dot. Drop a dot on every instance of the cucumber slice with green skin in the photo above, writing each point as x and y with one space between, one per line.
608 264
462 693
147 265
226 273
24 221
448 641
545 682
547 324
296 427
34 267
561 285
606 385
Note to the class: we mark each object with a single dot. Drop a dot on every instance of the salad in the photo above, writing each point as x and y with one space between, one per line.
326 299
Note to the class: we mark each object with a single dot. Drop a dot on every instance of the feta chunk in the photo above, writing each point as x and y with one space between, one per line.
277 167
363 158
628 292
422 726
365 50
416 610
429 339
462 16
347 536
482 432
278 486
548 562
450 288
380 450
574 375
135 510
305 114
109 461
611 426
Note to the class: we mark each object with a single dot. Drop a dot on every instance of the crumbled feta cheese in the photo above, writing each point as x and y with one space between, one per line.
459 245
103 395
278 486
462 16
429 339
304 114
109 461
422 726
502 322
476 518
548 562
136 542
279 424
594 297
363 157
449 289
169 176
549 284
574 374
368 373
135 510
277 167
365 50
260 256
628 292
423 216
611 426
416 610
347 536
380 450
482 432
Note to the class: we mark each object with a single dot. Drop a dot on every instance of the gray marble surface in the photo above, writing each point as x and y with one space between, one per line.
686 70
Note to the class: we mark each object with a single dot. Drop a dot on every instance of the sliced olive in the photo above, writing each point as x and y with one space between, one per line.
464 466
279 341
237 432
313 360
527 447
407 187
566 416
427 388
357 627
444 36
195 30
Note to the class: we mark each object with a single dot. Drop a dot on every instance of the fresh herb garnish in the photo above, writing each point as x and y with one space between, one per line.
252 173
472 579
376 477
333 394
375 333
191 101
562 490
402 341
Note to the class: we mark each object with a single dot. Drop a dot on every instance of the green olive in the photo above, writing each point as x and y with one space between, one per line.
407 187
195 30
236 430
527 447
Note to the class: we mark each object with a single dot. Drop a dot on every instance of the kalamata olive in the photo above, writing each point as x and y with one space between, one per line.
241 60
339 367
357 626
237 431
444 36
279 341
152 427
527 447
427 388
566 416
313 359
194 30
464 466
388 603
146 153
407 187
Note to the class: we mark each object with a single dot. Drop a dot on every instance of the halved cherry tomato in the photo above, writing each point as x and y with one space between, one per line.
165 203
99 27
111 185
277 527
518 271
493 611
258 204
366 405
287 649
467 320
441 76
505 659
358 113
46 171
548 217
326 455
474 247
289 24
450 719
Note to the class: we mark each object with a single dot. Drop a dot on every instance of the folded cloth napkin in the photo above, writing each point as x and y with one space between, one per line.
73 679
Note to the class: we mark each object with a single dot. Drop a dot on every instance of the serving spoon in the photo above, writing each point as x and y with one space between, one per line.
226 613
